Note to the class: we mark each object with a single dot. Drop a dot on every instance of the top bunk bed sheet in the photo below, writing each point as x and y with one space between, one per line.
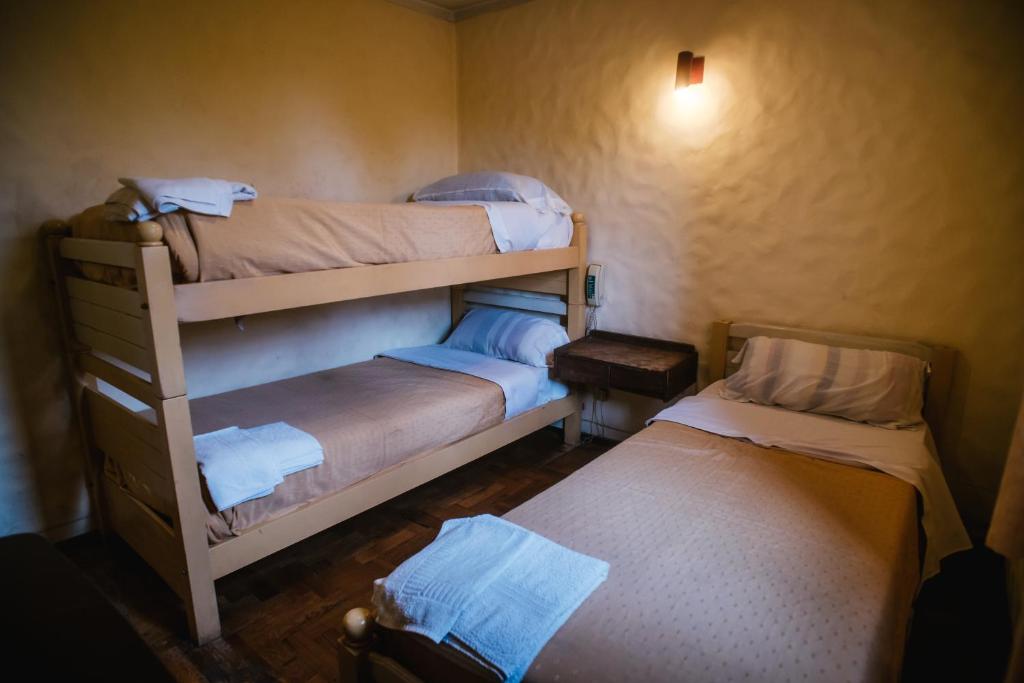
273 236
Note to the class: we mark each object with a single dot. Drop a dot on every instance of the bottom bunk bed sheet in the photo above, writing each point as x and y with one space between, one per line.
729 561
368 416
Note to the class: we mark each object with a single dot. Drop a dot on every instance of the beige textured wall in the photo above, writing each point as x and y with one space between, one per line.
350 100
847 164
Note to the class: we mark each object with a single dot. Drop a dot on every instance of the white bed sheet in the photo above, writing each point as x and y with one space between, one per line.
907 454
525 387
520 227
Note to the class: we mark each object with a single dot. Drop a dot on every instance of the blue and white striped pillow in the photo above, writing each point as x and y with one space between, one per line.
509 335
882 388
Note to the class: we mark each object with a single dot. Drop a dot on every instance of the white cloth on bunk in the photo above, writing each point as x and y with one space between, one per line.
521 227
525 387
242 464
235 466
291 449
144 198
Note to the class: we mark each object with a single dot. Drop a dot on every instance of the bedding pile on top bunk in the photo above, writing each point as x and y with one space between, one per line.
214 238
142 199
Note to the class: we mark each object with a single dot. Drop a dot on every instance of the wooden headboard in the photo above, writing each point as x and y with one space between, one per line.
727 337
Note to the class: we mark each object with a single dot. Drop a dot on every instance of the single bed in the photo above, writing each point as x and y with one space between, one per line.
729 560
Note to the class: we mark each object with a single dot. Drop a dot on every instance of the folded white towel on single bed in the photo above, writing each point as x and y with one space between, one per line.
491 589
144 198
242 464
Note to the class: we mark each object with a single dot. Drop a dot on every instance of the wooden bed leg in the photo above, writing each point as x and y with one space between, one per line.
571 428
354 645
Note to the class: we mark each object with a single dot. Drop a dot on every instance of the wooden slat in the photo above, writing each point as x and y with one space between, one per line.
940 383
149 535
99 251
850 341
576 316
127 439
544 283
136 387
120 299
263 539
190 520
458 303
519 302
718 356
112 346
114 323
229 298
137 424
160 321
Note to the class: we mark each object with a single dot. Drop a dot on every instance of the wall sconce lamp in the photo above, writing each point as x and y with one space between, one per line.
689 70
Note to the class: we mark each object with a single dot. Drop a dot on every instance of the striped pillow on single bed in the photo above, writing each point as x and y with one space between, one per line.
882 388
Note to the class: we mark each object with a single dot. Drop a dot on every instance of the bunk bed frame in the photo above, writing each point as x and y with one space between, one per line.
130 340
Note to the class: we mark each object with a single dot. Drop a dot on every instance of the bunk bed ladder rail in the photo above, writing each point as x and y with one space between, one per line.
144 484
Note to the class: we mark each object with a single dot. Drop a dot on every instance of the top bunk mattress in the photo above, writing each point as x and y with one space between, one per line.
273 236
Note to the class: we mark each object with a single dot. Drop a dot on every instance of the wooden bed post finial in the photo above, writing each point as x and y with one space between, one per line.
354 647
358 624
149 234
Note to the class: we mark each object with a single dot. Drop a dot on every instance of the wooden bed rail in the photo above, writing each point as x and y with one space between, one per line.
129 339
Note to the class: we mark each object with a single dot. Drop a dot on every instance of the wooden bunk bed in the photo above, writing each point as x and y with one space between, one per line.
129 338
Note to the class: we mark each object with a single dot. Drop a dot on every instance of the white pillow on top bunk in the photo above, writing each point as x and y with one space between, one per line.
882 388
494 186
509 335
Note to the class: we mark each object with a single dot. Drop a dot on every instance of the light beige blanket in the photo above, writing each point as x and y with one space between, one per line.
367 416
729 562
270 236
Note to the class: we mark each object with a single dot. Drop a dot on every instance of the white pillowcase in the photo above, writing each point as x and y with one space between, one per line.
494 186
509 335
882 388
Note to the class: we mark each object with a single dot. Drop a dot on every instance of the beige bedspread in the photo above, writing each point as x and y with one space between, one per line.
367 416
270 236
729 562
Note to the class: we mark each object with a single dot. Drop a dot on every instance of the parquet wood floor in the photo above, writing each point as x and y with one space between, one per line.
281 616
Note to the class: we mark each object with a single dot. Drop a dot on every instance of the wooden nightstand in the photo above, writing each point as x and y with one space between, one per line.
640 365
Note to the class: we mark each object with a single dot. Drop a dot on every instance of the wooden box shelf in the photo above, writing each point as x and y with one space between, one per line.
641 365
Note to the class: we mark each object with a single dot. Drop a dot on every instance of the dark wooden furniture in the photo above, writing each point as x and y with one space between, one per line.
641 365
57 625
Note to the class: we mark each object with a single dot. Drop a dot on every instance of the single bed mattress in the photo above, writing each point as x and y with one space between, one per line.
367 416
729 562
274 236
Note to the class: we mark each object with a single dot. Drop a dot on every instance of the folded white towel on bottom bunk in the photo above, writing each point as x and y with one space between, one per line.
490 589
292 449
242 464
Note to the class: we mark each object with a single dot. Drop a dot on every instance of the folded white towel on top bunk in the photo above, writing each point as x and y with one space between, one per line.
144 198
242 464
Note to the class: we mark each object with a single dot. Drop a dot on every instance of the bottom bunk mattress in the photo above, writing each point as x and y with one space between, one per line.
368 416
728 562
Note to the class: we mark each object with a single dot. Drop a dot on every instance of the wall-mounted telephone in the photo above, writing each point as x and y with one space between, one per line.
593 285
